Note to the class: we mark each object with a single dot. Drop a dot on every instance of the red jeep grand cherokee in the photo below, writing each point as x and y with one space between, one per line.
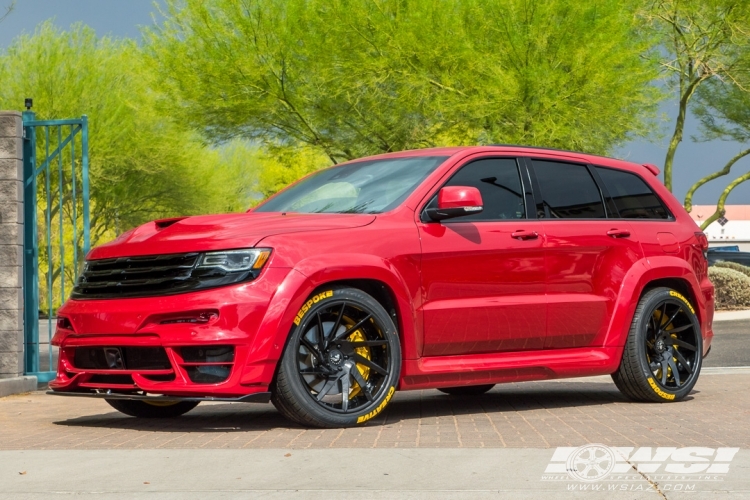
451 268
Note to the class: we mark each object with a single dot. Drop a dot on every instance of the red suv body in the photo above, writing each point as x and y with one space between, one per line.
543 281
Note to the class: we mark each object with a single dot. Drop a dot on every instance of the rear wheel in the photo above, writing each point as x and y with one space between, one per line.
471 390
663 353
342 361
152 409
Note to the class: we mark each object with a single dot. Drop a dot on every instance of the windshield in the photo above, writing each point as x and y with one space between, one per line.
365 187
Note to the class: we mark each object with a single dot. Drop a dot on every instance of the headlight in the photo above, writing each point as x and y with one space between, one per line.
229 266
150 275
233 261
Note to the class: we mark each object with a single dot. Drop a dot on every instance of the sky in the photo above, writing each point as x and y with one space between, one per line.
123 18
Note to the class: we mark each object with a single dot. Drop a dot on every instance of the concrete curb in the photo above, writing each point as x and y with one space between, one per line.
17 385
731 315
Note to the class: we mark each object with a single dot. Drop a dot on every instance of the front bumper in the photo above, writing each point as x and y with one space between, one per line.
237 317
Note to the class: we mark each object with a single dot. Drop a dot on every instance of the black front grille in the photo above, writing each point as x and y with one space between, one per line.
137 276
121 358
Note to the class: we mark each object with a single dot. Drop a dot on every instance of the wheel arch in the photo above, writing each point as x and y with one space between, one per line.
645 275
375 276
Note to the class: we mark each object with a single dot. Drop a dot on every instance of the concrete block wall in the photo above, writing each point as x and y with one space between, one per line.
11 245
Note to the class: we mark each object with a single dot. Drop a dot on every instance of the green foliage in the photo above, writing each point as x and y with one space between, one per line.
143 165
732 288
733 265
699 41
354 77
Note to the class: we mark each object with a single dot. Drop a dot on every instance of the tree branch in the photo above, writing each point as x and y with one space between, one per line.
8 10
722 200
710 177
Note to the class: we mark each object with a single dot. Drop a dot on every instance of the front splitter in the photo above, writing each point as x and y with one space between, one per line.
259 397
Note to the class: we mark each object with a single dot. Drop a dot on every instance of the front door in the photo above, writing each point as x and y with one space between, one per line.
483 275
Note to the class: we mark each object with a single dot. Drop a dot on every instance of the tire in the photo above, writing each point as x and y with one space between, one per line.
470 390
144 409
359 354
663 353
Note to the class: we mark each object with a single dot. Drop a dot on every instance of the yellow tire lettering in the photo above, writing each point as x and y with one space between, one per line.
679 296
658 391
373 413
307 305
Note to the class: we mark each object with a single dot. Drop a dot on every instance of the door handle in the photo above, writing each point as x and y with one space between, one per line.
524 235
618 233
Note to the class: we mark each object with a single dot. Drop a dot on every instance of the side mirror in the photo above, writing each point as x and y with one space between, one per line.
455 201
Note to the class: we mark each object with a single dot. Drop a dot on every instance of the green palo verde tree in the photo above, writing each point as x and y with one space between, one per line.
699 40
350 78
143 165
724 111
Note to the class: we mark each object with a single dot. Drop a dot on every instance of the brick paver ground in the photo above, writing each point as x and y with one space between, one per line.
528 415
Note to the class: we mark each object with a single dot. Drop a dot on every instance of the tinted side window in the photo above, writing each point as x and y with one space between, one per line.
568 191
632 196
499 182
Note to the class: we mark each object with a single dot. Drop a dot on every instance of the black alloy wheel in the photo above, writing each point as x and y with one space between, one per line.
342 362
663 354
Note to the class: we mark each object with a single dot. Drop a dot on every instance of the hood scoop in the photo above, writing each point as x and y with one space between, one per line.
165 223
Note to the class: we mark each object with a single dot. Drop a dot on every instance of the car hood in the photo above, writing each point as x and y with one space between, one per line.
219 232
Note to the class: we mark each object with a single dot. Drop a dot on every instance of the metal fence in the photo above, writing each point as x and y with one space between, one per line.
56 228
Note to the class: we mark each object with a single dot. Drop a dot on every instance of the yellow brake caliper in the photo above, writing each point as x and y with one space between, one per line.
363 351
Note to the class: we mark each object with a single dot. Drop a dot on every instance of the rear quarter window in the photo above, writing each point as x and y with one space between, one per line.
633 198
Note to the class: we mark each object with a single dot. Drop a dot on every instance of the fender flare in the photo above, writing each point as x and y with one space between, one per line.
308 275
637 279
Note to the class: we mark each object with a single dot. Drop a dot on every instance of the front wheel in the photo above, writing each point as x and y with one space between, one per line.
151 409
663 352
342 361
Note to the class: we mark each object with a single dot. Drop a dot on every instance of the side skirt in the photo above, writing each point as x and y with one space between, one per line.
497 368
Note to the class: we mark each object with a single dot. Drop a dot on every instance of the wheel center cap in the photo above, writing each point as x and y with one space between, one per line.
660 346
335 357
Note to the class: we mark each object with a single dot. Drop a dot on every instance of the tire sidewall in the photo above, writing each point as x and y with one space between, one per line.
325 298
649 306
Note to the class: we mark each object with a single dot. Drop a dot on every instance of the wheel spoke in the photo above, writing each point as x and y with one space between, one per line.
664 366
680 328
362 383
336 324
672 318
683 361
327 387
675 372
652 322
352 329
364 361
314 371
683 344
312 349
364 343
321 336
345 386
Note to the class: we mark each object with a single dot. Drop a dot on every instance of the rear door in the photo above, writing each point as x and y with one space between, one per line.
646 213
483 274
588 255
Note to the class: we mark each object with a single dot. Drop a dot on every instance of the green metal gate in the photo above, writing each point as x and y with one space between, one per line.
56 228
